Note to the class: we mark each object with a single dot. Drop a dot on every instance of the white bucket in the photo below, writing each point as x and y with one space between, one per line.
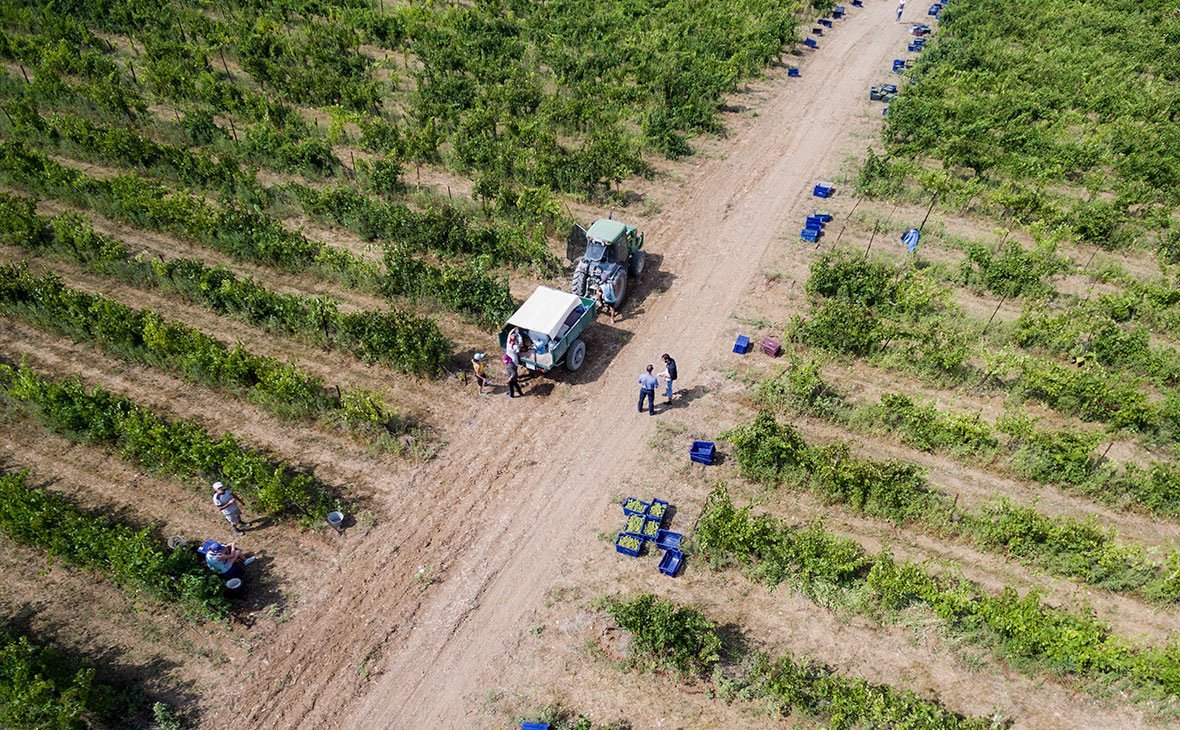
176 541
335 519
233 584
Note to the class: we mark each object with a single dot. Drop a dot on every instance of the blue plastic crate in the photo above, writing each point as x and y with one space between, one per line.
822 190
825 22
809 234
668 540
670 563
742 345
702 452
651 510
838 12
814 221
640 510
810 43
824 215
858 3
626 550
534 726
817 31
793 73
885 112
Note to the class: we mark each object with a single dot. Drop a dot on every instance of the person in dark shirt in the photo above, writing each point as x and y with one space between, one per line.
513 377
669 375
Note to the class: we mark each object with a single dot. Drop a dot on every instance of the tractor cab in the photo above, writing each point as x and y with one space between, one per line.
608 251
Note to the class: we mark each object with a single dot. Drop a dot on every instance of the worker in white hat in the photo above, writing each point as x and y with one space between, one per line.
229 506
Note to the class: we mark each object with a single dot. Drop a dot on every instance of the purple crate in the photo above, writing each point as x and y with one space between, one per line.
670 563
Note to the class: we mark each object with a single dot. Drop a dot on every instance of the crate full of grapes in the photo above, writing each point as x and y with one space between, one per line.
632 506
635 525
628 544
657 510
651 528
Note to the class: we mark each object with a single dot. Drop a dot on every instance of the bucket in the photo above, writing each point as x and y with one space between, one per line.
176 541
335 519
233 584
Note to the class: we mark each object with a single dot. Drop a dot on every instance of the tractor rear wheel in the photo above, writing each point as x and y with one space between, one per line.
620 289
578 283
576 355
635 266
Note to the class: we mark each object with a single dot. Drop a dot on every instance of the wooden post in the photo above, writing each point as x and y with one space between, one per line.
875 227
989 320
846 219
932 199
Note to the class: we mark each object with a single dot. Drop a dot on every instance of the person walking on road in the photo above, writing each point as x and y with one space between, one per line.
477 366
229 506
647 389
668 375
900 8
513 377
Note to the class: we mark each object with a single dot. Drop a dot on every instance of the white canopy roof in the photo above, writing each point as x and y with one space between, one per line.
545 311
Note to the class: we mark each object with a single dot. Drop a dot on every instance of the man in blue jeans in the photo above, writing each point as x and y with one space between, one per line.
647 389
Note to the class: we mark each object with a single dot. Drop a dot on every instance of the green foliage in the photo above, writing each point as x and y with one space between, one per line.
801 388
1057 640
408 343
144 336
177 448
681 637
1014 272
670 636
898 491
767 450
94 542
927 428
467 288
1042 122
40 690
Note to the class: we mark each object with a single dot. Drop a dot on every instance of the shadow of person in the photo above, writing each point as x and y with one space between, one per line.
681 398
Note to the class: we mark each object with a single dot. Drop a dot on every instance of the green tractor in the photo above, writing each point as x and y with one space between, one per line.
608 251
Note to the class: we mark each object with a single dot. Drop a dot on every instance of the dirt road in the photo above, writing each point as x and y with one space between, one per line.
413 626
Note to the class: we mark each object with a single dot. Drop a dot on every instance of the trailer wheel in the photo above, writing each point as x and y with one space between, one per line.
576 355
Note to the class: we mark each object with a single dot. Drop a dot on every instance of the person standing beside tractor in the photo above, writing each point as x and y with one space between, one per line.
607 299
